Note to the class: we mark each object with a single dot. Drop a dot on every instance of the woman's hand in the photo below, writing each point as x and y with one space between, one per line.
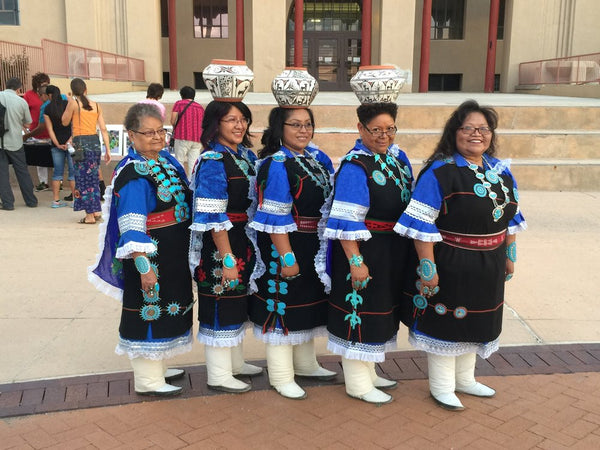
107 156
230 275
62 147
291 271
430 288
510 269
360 276
148 281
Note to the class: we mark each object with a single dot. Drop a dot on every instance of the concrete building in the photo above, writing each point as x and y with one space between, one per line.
336 39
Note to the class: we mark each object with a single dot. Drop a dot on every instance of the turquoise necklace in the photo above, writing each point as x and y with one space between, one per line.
320 176
241 162
168 184
402 183
484 188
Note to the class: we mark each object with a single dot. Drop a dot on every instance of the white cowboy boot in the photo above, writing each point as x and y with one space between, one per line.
441 381
359 385
306 365
171 374
280 364
149 378
380 382
218 369
241 367
465 377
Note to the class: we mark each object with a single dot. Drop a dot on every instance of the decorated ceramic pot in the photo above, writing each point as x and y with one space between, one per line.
227 80
377 84
294 88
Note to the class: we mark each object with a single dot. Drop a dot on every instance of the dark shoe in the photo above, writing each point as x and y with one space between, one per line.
69 198
33 205
8 208
174 374
42 187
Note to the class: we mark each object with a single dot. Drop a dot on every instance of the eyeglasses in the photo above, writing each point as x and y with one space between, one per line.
234 121
150 134
298 126
469 130
380 133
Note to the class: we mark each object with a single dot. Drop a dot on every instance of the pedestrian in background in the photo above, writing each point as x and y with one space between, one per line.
186 119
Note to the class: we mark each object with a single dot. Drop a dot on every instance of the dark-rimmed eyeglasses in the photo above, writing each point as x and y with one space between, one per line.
150 134
298 126
378 132
469 130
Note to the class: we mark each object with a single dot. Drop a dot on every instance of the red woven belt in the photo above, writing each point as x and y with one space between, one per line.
161 219
377 225
474 241
237 217
307 224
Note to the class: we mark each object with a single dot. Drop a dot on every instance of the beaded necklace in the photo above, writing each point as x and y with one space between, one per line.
484 188
402 183
321 178
168 185
242 163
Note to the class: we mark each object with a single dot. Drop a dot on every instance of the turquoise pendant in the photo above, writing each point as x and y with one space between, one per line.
163 193
480 190
440 309
497 213
419 301
492 176
379 177
141 168
405 195
460 312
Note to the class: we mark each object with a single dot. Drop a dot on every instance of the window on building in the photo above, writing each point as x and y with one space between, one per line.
164 18
166 80
329 15
500 30
199 81
447 18
445 81
9 12
497 82
211 19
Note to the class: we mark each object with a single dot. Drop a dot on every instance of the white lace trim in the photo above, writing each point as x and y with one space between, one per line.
275 208
130 247
517 228
278 229
360 351
210 205
293 337
422 211
358 235
416 234
221 338
132 222
348 211
216 226
155 350
321 256
259 266
448 348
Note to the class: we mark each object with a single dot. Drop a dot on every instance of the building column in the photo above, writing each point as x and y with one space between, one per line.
367 14
425 47
240 53
490 64
298 32
172 45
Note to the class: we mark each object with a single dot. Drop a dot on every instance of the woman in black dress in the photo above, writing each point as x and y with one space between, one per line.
463 216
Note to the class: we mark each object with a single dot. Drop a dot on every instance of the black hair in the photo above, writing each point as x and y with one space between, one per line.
187 93
273 135
14 83
369 111
57 105
155 91
38 78
78 88
446 146
135 115
215 111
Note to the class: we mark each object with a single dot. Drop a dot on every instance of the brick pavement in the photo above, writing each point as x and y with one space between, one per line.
547 399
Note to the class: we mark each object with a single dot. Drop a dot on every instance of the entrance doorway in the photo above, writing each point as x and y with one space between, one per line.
332 41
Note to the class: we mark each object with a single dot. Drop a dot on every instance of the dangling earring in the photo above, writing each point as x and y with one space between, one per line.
280 143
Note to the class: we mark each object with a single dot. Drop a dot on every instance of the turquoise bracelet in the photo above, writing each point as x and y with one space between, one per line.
511 251
356 260
142 264
288 259
229 261
426 269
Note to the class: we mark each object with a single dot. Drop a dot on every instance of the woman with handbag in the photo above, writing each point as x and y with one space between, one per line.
84 116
